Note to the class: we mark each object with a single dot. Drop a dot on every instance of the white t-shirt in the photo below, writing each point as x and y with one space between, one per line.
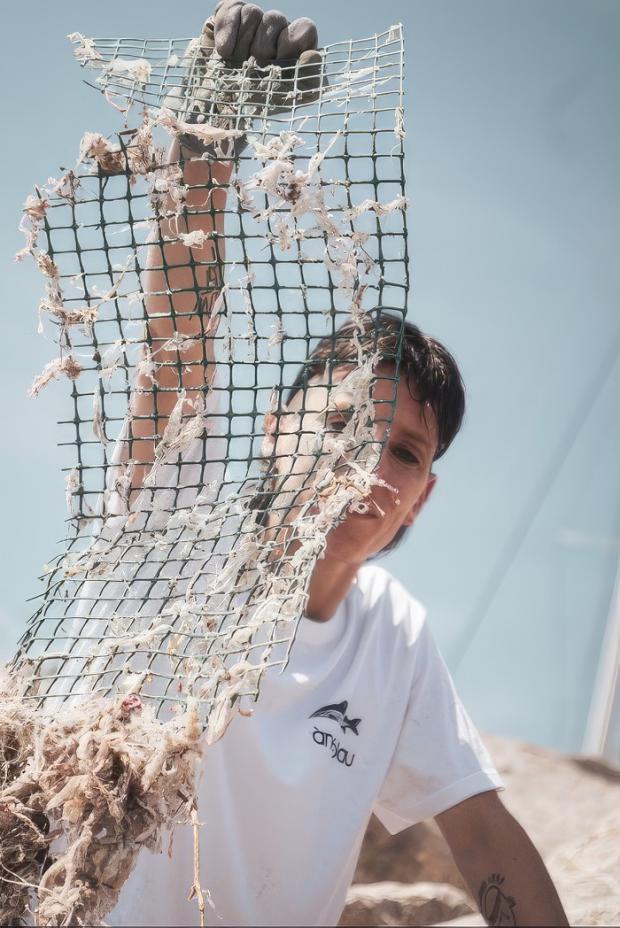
364 718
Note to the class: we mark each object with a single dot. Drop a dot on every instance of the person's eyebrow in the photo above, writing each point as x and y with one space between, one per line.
342 401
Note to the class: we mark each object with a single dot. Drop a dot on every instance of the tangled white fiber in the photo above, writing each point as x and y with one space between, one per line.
82 791
175 593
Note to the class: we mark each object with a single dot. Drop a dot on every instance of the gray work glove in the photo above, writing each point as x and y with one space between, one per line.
242 30
231 79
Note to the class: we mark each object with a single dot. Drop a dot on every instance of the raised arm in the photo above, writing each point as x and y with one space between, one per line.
181 285
181 282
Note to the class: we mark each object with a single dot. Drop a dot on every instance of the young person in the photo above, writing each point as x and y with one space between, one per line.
365 718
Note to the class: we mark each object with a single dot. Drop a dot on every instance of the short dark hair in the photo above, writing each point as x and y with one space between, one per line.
432 374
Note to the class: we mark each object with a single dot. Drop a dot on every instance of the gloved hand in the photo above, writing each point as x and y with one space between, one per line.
242 30
248 42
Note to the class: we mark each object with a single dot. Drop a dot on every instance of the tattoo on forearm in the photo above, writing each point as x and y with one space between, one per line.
495 906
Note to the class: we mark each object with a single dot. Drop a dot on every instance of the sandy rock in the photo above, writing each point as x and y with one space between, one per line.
586 872
569 806
473 920
396 904
557 798
418 854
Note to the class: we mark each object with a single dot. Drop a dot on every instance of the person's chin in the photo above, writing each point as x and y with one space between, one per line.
349 540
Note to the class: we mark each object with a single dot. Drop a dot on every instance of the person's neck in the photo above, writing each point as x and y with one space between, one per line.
329 584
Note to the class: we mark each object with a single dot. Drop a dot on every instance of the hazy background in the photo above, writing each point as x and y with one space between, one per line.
513 154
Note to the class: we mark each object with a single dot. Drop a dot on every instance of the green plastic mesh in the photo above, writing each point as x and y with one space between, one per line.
186 303
174 586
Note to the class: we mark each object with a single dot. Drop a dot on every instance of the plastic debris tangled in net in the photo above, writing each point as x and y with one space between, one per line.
184 304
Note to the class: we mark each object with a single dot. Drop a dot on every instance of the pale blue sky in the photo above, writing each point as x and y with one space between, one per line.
513 154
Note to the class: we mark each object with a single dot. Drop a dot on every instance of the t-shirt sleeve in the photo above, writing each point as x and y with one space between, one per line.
439 758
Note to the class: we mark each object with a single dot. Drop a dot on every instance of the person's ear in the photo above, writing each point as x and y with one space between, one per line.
420 502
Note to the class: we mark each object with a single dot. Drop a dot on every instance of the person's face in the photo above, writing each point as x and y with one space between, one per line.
405 463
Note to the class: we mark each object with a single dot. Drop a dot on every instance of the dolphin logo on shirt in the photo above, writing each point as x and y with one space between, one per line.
337 712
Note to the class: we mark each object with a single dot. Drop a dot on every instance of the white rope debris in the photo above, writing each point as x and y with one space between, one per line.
177 591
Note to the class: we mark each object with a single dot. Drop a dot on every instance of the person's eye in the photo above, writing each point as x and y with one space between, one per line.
336 423
405 455
337 420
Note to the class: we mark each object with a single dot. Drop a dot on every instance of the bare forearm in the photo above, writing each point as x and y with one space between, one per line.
510 882
181 283
184 262
500 865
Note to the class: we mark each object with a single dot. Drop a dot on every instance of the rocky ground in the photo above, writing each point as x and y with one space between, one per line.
570 807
